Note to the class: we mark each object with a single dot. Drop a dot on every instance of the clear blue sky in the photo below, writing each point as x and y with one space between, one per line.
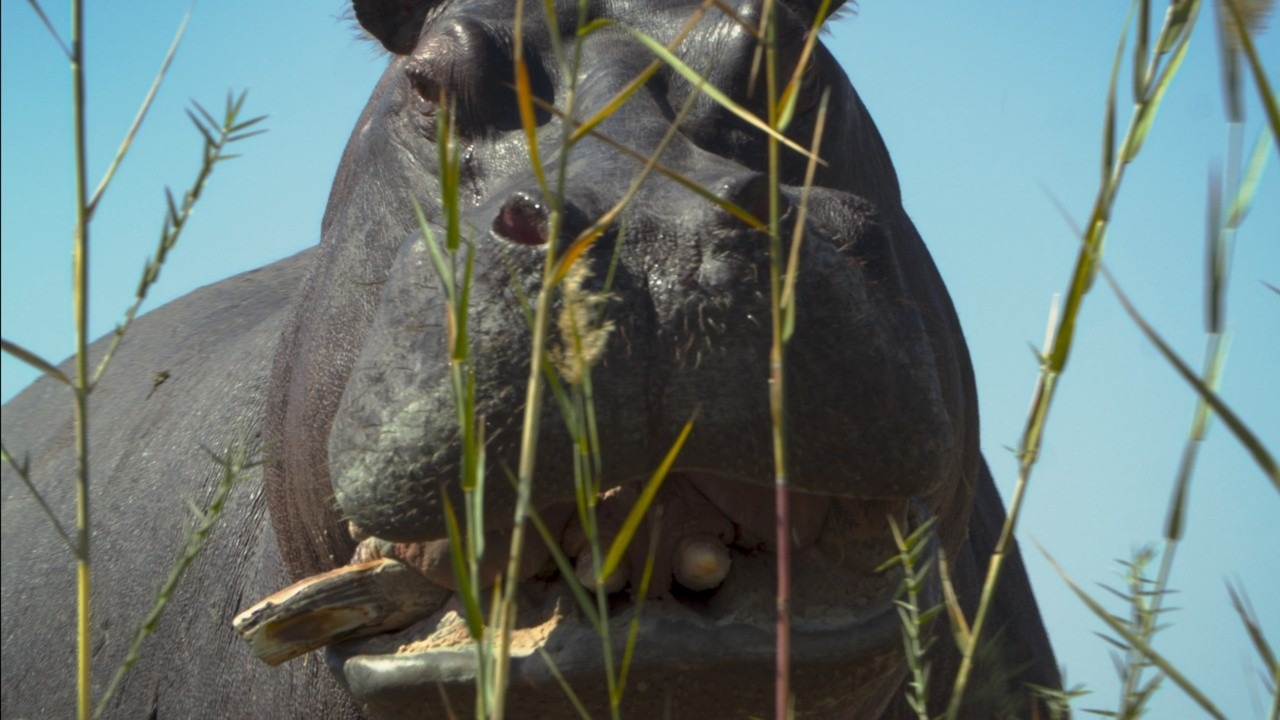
989 110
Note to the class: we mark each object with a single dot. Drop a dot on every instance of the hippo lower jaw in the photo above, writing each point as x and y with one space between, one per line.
696 654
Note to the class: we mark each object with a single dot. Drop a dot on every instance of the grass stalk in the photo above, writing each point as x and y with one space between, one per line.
777 376
23 471
1220 236
218 135
1261 82
915 620
82 381
1124 632
1174 37
80 304
234 461
129 135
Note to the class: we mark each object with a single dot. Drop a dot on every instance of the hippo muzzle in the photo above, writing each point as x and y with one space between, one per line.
689 317
870 436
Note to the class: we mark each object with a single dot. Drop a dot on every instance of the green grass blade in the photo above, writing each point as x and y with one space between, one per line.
791 93
524 101
1229 62
1141 46
1254 627
1260 81
461 347
443 270
1243 200
34 361
585 602
564 685
1136 642
630 88
1147 110
39 11
127 142
1178 20
1246 437
468 589
629 526
797 235
1215 363
667 172
634 629
713 92
22 470
1109 116
1215 258
960 631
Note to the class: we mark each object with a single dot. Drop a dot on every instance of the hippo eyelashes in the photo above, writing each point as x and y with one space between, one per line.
469 66
426 93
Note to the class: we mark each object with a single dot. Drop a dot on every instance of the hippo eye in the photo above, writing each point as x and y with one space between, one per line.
427 93
466 66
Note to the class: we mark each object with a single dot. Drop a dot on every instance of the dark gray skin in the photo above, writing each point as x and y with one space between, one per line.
337 359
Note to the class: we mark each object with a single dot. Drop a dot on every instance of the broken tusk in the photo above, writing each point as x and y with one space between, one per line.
350 602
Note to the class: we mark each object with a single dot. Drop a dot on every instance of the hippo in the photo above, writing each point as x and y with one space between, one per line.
333 365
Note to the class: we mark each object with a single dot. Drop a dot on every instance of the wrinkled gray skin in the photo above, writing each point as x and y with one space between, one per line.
335 359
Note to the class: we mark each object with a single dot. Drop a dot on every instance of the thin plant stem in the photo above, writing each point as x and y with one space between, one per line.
80 302
139 117
22 471
217 136
1175 34
777 394
49 26
234 462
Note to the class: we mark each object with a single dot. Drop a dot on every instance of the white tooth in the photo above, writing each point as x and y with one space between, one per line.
349 602
700 561
584 568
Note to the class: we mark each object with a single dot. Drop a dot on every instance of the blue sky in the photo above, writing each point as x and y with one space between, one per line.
992 112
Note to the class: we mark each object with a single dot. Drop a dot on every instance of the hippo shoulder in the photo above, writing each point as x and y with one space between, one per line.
188 376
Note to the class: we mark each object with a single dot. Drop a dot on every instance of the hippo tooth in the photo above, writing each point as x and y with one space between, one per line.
350 602
584 568
700 561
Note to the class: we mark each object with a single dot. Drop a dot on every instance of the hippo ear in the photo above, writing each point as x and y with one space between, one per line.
808 9
396 23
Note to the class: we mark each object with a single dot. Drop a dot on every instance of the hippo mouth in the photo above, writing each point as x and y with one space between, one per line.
704 627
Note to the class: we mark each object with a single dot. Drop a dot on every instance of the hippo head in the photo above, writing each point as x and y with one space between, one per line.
880 412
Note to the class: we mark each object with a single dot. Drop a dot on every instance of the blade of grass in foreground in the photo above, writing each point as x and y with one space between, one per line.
22 470
218 135
628 530
1253 626
132 132
1174 36
1138 643
234 461
35 361
1260 81
1246 437
713 92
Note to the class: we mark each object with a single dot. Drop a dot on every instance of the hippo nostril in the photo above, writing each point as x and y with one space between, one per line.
751 193
522 220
